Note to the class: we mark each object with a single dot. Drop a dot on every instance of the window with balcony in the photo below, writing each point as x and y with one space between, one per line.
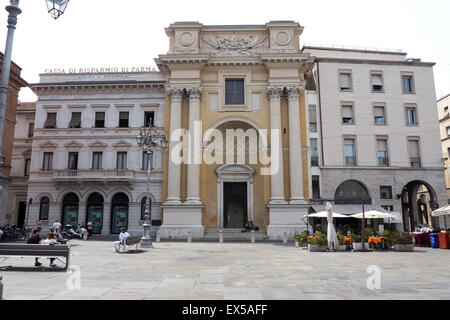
99 119
345 81
376 80
124 119
347 115
47 163
75 122
408 83
30 130
97 161
314 152
349 152
386 192
382 153
380 115
234 92
121 161
411 116
149 118
414 153
50 123
73 161
312 118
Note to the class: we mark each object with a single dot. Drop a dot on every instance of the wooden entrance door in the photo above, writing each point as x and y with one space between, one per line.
235 204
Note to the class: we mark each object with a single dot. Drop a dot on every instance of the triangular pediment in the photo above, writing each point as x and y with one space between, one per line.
98 144
48 144
122 144
73 144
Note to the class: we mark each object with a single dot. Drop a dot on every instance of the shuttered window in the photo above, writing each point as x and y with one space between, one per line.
345 81
75 122
380 118
347 114
50 123
312 118
377 82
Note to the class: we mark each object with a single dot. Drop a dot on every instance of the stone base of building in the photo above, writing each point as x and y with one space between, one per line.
178 220
286 219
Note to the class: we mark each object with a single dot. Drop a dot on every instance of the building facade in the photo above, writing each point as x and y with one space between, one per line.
444 123
15 84
21 162
86 164
379 136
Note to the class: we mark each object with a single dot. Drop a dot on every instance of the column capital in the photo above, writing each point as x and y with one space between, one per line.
195 93
294 92
274 93
175 94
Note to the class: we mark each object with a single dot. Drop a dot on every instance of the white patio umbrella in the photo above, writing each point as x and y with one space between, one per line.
324 214
331 231
373 214
444 211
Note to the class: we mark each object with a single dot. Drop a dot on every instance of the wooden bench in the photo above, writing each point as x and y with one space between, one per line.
131 241
35 250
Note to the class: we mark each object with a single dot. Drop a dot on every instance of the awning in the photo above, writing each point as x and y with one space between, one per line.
352 209
444 211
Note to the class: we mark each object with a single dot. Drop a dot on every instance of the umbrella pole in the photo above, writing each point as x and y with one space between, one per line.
363 226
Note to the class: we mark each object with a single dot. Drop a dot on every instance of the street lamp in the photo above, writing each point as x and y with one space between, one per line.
149 138
56 8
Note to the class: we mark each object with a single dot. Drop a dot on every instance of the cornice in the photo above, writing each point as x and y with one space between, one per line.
379 62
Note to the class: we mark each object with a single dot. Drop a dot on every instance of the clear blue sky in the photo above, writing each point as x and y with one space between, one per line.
130 33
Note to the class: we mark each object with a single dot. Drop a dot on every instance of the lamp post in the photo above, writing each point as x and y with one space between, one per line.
148 139
56 8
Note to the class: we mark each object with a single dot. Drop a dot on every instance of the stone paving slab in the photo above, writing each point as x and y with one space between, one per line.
239 271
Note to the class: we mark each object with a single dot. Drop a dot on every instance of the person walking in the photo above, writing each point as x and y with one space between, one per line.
57 225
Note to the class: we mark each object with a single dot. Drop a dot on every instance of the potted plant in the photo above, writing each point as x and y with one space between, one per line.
348 243
403 243
318 242
375 243
342 245
301 239
357 246
388 239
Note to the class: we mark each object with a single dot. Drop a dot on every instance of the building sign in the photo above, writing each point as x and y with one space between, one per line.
99 70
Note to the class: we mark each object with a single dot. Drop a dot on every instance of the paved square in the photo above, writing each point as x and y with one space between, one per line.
240 271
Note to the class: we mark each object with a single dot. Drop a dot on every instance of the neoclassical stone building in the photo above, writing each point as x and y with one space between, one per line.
236 77
86 164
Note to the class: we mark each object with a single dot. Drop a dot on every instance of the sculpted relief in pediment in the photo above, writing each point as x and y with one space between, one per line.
234 44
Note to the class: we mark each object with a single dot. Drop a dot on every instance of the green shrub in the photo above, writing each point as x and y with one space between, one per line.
302 237
318 238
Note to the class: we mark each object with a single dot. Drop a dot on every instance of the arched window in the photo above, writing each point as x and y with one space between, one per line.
95 212
70 210
44 208
143 207
352 192
119 212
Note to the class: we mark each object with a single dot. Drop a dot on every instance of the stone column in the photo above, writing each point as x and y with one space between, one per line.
295 148
277 179
193 170
174 172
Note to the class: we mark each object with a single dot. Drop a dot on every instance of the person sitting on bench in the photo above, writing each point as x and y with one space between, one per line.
51 241
35 239
122 236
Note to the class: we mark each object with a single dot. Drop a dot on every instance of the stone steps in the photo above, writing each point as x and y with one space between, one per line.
233 235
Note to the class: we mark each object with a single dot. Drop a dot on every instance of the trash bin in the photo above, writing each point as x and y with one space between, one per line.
434 239
444 240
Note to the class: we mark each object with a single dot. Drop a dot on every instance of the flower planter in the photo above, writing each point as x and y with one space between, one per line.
341 248
357 246
404 247
317 248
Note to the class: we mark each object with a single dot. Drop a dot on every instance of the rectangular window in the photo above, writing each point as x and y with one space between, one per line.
380 116
408 84
97 161
124 119
347 114
349 152
99 119
314 153
382 153
234 92
121 161
388 208
50 123
414 153
411 116
376 80
312 118
149 118
446 111
47 164
145 158
27 167
448 131
345 81
316 187
386 192
75 122
73 161
31 130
